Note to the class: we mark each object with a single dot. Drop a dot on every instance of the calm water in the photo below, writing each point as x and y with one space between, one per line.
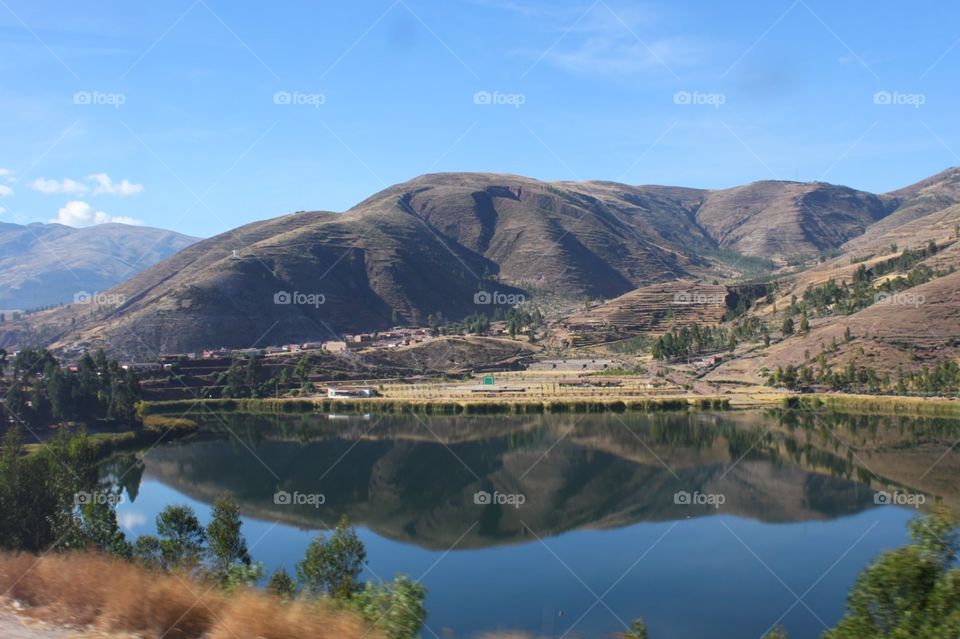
594 529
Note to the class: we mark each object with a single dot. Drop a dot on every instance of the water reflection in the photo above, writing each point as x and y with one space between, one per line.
417 480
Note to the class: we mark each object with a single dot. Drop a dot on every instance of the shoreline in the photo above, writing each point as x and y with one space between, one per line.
881 404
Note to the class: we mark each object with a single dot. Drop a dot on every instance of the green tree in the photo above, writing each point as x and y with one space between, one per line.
281 584
226 545
148 550
913 591
332 564
787 326
396 608
638 630
182 538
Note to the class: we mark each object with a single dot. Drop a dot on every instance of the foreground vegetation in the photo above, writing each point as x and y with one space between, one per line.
54 501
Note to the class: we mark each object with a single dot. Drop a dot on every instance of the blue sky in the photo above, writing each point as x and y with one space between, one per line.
201 115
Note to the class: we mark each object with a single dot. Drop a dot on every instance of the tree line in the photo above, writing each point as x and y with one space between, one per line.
41 392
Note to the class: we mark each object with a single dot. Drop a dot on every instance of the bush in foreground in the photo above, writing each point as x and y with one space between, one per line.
114 595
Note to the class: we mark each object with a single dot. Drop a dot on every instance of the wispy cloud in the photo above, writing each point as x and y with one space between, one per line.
106 186
66 185
611 54
96 184
604 39
5 190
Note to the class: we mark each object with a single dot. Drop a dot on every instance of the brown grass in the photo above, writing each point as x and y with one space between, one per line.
85 589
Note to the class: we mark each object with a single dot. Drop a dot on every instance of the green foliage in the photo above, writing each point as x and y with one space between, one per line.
45 497
395 608
240 575
332 564
281 584
695 339
913 591
227 548
638 630
182 538
99 389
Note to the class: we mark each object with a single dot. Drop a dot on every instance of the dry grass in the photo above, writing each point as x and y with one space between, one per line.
91 590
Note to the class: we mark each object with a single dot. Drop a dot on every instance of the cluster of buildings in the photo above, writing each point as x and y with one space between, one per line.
394 338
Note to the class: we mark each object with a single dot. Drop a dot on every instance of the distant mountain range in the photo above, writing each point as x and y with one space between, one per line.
49 264
428 246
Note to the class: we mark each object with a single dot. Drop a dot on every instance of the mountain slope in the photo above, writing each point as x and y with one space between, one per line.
419 248
780 219
913 203
45 264
428 246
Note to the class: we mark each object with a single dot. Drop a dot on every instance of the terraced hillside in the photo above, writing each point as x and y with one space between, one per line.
648 310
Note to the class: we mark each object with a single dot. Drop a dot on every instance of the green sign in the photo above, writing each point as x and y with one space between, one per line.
488 380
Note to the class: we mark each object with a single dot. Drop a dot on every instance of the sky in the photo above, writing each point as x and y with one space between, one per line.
202 115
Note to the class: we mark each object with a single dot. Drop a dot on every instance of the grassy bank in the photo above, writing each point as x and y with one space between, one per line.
427 407
114 595
877 404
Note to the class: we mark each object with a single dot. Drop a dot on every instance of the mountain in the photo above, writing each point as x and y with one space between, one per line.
448 244
424 247
47 264
914 203
782 219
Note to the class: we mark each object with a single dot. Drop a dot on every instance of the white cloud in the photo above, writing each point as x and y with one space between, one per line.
5 190
102 185
6 174
131 520
106 186
2 210
66 185
79 213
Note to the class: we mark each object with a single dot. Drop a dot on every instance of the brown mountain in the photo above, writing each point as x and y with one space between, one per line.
430 245
780 219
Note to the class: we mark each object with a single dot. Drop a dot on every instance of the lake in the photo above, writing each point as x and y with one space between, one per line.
717 525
